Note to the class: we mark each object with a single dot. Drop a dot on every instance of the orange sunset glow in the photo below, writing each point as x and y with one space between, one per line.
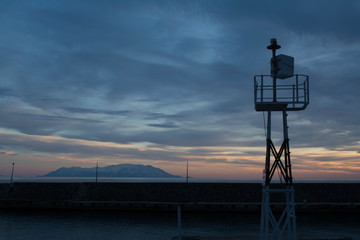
169 83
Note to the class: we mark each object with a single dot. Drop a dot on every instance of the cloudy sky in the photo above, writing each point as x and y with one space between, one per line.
166 82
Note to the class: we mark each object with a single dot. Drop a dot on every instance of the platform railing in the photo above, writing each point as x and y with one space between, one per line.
292 92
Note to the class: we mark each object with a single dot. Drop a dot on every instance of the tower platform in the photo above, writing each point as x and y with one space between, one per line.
292 95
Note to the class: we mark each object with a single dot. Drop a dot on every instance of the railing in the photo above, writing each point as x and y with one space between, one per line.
293 93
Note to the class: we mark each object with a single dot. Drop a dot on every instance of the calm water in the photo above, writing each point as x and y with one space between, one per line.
92 225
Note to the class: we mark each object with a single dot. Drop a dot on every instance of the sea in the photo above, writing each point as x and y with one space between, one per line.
112 225
24 224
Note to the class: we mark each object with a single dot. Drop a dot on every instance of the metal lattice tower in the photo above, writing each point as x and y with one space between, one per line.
291 94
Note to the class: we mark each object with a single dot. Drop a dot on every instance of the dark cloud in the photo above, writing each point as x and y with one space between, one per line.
165 125
176 72
4 92
95 111
184 137
41 123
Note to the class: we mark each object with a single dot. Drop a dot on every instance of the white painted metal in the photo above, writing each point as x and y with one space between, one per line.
281 227
179 222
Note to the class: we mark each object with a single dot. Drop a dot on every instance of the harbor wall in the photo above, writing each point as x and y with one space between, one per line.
310 197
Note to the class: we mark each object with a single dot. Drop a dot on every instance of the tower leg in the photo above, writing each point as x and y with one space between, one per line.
275 226
281 227
268 150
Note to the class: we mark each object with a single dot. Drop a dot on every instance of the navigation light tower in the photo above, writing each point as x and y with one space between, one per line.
291 93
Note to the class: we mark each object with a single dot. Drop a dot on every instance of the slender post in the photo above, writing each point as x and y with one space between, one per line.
273 46
293 95
97 171
12 172
262 88
187 171
306 92
268 148
288 179
288 213
179 221
285 127
293 217
297 88
273 63
267 213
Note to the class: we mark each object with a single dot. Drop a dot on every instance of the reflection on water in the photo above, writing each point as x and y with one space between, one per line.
93 225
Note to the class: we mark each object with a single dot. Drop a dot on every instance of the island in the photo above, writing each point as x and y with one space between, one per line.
120 170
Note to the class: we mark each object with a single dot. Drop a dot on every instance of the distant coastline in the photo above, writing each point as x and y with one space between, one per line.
6 179
112 171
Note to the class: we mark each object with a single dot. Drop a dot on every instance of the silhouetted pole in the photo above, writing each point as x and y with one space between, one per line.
12 173
187 171
179 222
273 46
97 170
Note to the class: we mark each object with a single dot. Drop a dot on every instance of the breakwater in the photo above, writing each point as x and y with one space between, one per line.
167 196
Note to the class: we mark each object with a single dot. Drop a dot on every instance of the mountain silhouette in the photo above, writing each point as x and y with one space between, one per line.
121 170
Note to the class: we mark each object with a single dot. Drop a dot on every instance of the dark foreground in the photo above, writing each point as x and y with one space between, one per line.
243 197
70 224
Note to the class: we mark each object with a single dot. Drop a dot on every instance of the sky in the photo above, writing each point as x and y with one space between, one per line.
167 82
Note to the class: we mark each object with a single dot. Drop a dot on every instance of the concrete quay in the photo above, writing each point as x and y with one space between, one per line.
245 197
